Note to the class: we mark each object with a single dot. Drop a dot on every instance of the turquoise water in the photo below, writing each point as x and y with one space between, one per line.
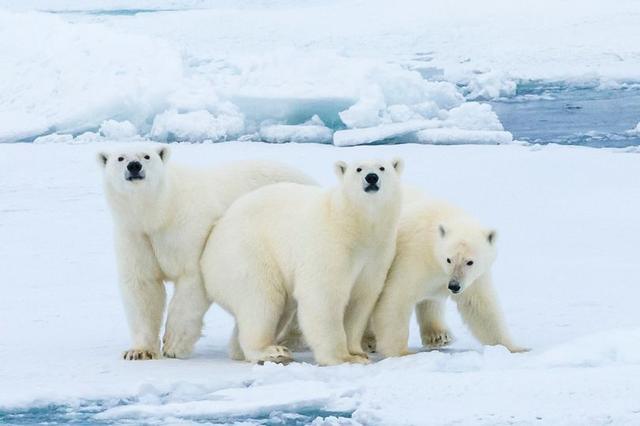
85 413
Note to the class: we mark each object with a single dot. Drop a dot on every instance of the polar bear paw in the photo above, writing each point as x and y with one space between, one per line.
275 353
357 359
176 345
337 359
514 349
176 351
139 355
436 338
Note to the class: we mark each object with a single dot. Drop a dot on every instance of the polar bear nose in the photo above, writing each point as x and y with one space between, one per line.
371 178
454 286
134 166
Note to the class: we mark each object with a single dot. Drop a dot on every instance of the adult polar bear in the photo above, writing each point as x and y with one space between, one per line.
326 251
163 214
441 252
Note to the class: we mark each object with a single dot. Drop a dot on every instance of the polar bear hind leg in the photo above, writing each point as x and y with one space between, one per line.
185 318
258 318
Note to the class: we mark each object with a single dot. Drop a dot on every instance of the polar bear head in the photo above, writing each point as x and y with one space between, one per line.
465 251
371 180
134 169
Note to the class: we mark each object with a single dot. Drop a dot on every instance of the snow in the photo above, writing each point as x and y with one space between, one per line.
195 126
565 276
312 130
635 130
112 129
463 136
379 133
471 122
163 66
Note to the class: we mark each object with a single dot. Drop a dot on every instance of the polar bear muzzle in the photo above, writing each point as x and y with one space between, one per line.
134 171
372 182
454 286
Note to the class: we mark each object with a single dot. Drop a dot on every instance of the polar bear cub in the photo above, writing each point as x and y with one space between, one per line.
326 252
441 252
163 214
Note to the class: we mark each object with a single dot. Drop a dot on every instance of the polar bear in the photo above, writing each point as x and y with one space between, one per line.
441 252
163 214
324 253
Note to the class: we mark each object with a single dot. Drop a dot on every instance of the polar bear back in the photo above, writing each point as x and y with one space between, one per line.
282 217
219 187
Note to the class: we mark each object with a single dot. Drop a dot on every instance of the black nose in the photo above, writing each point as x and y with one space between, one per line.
454 286
371 178
134 166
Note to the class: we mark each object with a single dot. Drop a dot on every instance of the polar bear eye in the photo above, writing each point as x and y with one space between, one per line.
448 260
469 263
382 169
146 157
358 169
121 159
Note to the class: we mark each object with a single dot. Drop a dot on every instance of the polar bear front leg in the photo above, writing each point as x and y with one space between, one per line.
433 330
478 306
186 312
321 310
143 295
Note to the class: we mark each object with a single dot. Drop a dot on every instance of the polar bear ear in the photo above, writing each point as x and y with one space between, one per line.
398 164
340 168
102 158
163 153
442 231
491 236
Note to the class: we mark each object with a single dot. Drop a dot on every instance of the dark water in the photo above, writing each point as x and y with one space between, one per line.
572 114
86 412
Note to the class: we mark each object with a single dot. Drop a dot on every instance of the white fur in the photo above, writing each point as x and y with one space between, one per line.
326 252
161 226
430 232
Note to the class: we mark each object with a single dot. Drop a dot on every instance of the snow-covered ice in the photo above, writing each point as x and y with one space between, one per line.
567 221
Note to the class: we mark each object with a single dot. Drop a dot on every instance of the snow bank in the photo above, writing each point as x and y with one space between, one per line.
468 123
364 393
245 401
379 133
462 136
312 130
635 130
57 76
112 129
196 126
94 75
